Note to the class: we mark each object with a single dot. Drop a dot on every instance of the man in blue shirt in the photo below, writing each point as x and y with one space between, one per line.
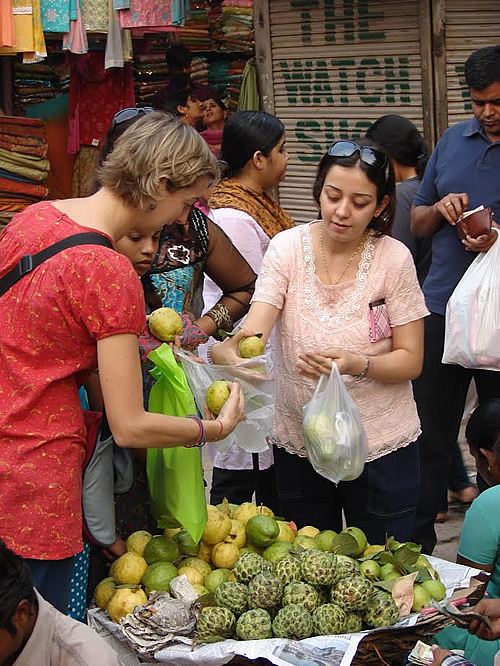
462 173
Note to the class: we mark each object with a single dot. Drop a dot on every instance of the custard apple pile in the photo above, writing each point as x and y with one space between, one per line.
306 593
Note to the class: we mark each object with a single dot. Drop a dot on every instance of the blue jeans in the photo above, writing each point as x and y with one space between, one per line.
52 578
382 501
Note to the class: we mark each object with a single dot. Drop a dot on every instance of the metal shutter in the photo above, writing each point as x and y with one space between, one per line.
469 26
337 65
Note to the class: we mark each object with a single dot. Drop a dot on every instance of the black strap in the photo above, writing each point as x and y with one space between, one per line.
30 261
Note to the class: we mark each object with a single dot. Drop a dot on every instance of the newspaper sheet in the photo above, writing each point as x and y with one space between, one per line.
318 651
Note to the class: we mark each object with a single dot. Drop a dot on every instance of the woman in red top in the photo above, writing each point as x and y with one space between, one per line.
82 309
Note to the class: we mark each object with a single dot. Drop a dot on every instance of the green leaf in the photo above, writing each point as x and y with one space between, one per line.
407 556
423 575
345 544
206 599
386 585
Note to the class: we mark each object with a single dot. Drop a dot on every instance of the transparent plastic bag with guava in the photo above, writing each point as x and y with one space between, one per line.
334 436
257 384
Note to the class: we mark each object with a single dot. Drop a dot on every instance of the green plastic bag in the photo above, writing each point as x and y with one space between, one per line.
175 475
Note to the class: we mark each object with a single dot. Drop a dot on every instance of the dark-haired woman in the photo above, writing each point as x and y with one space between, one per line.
214 116
319 282
408 153
185 104
479 545
254 155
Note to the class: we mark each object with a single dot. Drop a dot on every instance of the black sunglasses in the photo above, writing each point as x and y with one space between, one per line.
370 156
128 114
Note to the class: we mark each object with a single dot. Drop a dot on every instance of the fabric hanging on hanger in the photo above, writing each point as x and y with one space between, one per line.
22 11
96 17
146 14
76 39
55 15
113 56
40 51
96 94
249 95
7 29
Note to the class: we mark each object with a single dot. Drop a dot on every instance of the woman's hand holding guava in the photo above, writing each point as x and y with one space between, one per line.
313 365
232 412
226 353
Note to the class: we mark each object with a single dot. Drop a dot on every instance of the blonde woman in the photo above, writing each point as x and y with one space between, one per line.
84 308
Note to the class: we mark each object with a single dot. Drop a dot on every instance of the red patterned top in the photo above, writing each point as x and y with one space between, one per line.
50 322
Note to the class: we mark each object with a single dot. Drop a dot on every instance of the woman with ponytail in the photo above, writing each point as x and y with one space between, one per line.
253 159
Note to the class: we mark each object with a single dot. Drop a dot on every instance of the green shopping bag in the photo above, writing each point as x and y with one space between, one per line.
175 475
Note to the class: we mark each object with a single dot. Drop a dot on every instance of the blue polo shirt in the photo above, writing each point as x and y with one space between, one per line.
464 161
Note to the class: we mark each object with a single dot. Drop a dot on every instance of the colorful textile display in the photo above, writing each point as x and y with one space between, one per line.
23 164
27 21
96 94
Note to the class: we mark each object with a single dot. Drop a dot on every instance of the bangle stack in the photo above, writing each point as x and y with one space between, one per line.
201 439
363 372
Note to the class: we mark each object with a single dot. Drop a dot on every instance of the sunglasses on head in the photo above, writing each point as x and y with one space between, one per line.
128 114
370 156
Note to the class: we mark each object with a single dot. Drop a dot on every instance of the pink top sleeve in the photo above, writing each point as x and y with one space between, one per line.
404 300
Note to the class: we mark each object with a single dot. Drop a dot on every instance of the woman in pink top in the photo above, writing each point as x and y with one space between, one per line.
318 282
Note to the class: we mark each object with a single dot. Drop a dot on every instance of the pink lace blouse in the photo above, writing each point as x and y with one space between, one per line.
315 316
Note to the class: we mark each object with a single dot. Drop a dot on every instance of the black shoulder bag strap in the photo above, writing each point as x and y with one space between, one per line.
30 261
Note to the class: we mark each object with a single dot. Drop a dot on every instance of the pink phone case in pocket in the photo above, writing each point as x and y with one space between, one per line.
378 317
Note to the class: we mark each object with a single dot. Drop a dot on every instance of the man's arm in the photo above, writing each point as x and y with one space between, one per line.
426 220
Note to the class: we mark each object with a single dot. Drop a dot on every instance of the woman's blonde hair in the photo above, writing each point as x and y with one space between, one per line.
157 152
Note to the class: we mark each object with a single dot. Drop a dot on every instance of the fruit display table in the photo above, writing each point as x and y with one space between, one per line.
388 645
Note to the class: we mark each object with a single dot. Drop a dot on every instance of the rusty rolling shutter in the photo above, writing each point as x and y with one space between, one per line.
337 65
469 26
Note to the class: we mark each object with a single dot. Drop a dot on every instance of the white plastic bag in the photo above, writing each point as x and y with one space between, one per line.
335 439
258 388
473 315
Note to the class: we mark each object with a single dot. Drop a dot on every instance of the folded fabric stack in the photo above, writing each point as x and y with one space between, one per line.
23 164
33 84
37 83
199 71
225 77
150 68
234 31
196 31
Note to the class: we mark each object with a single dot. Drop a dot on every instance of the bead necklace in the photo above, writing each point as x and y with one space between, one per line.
349 262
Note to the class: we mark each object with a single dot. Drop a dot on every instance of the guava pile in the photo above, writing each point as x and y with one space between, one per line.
258 576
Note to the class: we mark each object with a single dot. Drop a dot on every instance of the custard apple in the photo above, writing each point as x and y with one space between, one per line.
329 619
381 610
215 623
233 596
249 565
352 594
354 623
319 567
293 621
264 591
254 625
346 567
302 594
288 570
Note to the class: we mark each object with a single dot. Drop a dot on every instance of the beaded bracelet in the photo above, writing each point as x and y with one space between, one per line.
363 372
201 439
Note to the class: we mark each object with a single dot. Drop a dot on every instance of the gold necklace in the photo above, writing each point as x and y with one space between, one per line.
349 262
